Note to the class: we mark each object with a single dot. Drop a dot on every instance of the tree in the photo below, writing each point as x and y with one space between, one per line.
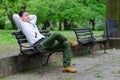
2 15
66 13
113 10
10 7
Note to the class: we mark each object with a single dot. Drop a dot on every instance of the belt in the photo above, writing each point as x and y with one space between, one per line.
39 41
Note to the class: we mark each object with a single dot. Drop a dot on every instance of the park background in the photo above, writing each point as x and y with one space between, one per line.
56 15
61 16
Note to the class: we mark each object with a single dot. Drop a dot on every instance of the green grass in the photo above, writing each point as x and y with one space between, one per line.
9 43
68 34
71 35
6 37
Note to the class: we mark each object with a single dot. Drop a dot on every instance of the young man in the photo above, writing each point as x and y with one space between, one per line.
26 24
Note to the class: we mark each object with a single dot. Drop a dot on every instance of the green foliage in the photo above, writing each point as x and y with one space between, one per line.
9 7
77 12
1 19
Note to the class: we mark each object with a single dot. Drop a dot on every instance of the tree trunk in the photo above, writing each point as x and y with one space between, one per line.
60 25
45 25
113 11
118 13
92 22
66 27
2 22
11 20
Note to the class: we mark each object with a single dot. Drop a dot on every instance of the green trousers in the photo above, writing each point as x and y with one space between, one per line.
58 41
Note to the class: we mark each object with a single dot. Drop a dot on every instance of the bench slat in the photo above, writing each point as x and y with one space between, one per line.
84 34
22 41
17 33
82 31
20 37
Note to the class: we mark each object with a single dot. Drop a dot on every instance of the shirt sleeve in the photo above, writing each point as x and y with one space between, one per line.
33 19
18 21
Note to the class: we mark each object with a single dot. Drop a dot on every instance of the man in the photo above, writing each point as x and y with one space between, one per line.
26 24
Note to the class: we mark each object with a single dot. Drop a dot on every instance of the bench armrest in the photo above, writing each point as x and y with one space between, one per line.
100 36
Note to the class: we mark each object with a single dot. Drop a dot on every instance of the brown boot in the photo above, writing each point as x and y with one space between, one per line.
73 44
69 69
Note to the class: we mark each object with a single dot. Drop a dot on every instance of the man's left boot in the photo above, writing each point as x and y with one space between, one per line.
73 44
69 69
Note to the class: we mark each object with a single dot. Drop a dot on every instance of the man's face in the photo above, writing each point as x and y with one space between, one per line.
25 17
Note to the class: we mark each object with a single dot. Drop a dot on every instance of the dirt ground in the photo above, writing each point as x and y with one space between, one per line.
95 66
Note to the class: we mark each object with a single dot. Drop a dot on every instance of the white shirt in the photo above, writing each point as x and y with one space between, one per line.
30 30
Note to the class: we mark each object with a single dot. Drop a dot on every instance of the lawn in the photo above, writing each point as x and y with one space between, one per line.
6 37
8 43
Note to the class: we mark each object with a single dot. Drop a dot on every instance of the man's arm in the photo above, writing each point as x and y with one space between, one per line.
33 19
17 20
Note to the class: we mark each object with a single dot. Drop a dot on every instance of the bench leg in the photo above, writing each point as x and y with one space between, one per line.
104 44
91 48
46 60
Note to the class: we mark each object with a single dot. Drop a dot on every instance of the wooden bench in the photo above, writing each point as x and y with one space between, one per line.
85 38
27 50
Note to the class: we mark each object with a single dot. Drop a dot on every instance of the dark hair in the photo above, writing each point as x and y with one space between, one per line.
21 13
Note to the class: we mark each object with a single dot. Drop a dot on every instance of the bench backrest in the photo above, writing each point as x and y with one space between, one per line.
22 41
83 34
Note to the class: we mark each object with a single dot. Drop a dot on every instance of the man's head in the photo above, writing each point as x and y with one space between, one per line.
24 15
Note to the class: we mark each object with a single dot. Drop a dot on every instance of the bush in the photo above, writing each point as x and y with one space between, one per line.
8 27
100 23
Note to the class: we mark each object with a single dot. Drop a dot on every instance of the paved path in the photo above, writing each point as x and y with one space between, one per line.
96 66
